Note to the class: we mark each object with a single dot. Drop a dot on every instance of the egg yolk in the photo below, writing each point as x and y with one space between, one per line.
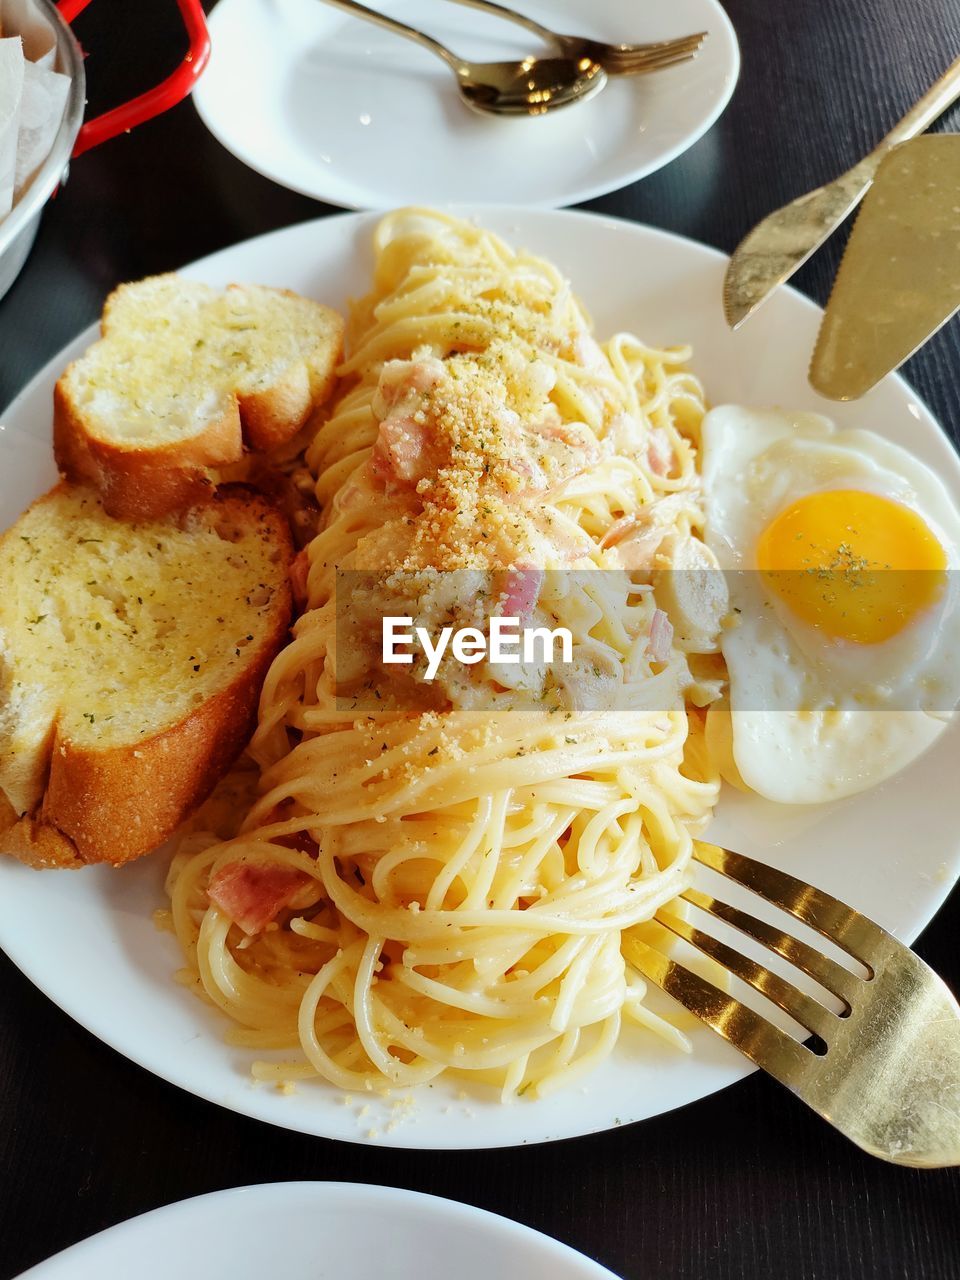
855 565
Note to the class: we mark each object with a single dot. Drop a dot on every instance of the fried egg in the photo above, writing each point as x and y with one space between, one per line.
843 641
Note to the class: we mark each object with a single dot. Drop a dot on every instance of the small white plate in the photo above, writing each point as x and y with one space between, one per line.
319 1231
336 108
86 938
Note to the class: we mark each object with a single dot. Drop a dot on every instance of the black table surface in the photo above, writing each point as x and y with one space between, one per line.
746 1183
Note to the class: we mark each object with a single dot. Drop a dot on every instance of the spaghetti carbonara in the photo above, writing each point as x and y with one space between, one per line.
442 875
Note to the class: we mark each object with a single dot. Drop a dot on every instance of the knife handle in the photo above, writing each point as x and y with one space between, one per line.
941 95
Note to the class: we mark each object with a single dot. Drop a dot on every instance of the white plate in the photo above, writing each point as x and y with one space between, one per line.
87 940
319 1231
341 110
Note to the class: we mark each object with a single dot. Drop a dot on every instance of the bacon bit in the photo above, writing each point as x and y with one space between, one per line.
403 454
252 894
661 636
299 570
660 457
399 453
401 378
521 591
618 531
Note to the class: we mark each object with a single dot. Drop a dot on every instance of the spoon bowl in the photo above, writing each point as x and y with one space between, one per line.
531 87
528 87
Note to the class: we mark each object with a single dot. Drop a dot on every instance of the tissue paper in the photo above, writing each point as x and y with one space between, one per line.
11 98
33 96
41 110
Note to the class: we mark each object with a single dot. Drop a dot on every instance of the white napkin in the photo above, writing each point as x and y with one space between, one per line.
44 99
32 95
11 97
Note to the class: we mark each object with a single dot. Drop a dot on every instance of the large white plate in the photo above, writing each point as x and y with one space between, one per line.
344 111
86 938
319 1231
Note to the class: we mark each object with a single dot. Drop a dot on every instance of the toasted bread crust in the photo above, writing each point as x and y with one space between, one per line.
272 417
144 483
114 806
40 847
139 481
117 803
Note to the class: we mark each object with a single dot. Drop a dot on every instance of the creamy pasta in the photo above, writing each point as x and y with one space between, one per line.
441 876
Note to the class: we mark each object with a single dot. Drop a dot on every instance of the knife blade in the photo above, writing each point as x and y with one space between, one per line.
899 280
786 238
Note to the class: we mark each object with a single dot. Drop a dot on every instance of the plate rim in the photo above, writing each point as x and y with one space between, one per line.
573 195
367 1195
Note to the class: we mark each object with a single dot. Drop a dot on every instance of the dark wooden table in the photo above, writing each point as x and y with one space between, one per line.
744 1184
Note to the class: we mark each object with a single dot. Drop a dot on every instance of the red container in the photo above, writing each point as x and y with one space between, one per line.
19 228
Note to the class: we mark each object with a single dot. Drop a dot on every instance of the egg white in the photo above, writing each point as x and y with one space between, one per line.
814 718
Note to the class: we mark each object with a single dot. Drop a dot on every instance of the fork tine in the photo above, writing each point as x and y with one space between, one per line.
763 1043
646 67
890 1077
656 55
821 968
676 45
797 1004
857 935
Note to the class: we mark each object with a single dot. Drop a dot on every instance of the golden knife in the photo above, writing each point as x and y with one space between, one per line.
899 280
784 240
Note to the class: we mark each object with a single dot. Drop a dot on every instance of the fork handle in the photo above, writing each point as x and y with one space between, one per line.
400 29
501 11
941 95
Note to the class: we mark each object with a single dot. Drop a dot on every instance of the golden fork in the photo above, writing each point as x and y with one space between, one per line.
616 59
885 1071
